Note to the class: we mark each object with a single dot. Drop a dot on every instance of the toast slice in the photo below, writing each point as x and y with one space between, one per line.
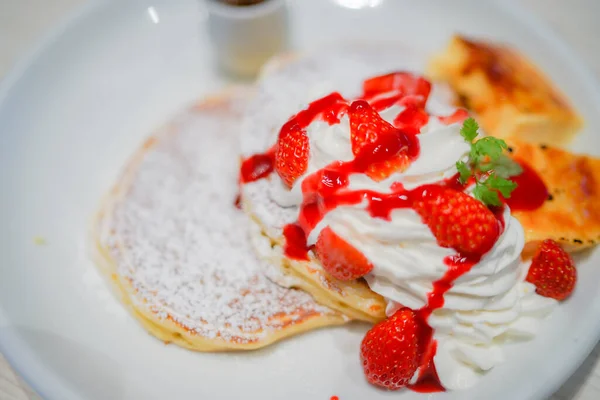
510 96
571 213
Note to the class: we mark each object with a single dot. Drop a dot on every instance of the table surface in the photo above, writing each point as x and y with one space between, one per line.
25 21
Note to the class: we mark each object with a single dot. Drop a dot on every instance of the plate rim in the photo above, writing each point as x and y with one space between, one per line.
521 13
15 73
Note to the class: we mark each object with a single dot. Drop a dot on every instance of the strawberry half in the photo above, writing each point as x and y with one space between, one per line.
383 149
291 153
457 220
390 351
552 271
339 258
404 82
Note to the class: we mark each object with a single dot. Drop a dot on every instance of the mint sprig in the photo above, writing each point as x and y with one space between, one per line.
488 164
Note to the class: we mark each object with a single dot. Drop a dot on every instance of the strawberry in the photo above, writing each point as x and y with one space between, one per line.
384 148
457 220
552 271
291 153
339 258
390 351
404 82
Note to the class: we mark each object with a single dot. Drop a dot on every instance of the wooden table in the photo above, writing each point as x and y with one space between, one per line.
22 22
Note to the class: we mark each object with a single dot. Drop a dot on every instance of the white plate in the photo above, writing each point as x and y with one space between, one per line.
71 115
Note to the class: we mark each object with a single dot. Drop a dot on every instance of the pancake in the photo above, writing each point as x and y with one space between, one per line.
352 298
571 213
287 85
511 97
178 251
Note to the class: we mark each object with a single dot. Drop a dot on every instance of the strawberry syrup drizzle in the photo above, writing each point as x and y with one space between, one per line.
257 166
412 119
531 192
428 380
326 189
458 265
323 190
295 242
458 116
329 108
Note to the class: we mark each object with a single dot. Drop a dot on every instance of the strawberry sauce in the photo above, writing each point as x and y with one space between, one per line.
327 188
458 265
329 109
323 190
257 166
412 119
238 201
531 192
458 116
295 242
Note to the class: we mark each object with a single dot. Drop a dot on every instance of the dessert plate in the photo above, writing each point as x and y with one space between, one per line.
73 112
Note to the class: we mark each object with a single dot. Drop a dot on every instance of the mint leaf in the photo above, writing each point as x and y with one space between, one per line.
486 166
505 167
475 156
487 162
464 171
486 195
489 146
504 186
469 129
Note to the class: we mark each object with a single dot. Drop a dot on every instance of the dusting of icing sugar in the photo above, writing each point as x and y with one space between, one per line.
273 217
178 239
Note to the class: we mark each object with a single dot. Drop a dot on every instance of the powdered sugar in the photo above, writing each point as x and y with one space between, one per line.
185 248
272 216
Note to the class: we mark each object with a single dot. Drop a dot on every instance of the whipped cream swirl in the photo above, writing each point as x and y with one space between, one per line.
487 307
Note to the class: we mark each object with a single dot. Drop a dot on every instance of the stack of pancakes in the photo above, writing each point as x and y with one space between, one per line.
199 272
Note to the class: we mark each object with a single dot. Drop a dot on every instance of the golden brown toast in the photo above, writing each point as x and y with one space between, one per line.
510 96
571 213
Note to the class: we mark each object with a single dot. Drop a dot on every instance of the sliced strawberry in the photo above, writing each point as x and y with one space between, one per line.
390 351
339 258
291 153
404 82
457 220
366 125
552 271
383 148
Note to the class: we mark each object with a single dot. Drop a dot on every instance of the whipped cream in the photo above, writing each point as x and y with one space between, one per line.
487 307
